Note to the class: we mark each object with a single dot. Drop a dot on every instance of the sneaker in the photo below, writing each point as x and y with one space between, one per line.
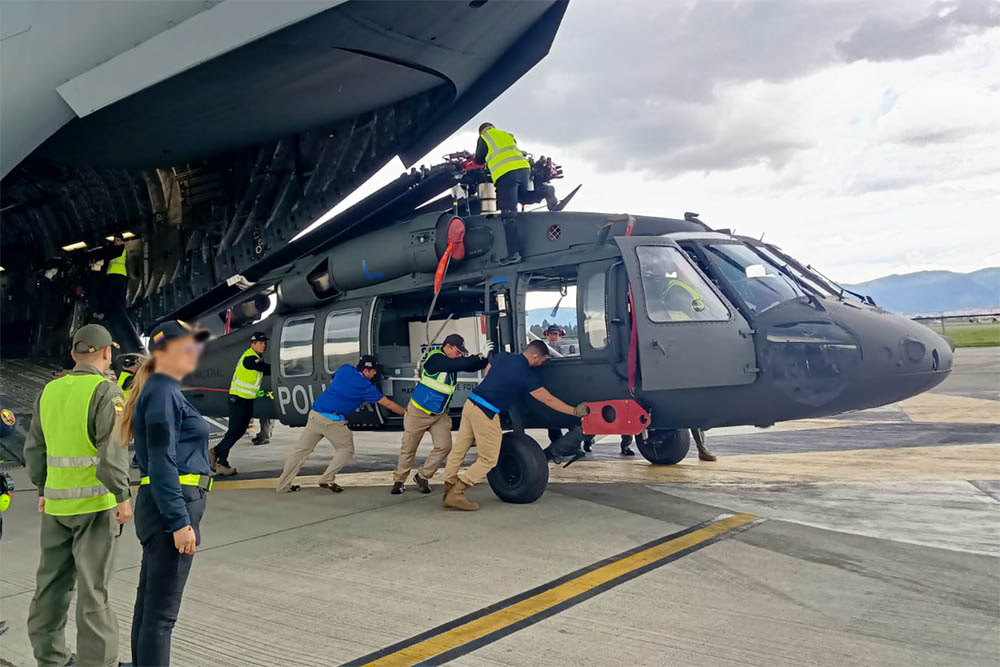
223 470
513 258
425 485
260 441
397 488
627 451
332 486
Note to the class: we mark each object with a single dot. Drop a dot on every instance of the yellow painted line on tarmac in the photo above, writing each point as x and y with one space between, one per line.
468 633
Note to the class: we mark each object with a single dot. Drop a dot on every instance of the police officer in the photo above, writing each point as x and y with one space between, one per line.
130 363
244 389
81 472
508 378
510 171
171 445
349 387
428 410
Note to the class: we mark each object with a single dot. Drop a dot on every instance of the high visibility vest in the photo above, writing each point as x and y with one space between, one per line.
502 154
71 484
433 393
117 267
122 379
696 301
246 383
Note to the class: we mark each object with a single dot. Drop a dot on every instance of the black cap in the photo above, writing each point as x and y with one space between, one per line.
556 329
457 341
167 331
258 336
367 361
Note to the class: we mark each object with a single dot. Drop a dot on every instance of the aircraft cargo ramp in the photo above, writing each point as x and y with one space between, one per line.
869 539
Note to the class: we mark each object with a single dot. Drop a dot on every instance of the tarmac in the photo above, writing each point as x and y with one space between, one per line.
871 538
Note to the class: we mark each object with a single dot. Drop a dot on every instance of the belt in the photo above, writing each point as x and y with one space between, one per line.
201 481
483 403
331 416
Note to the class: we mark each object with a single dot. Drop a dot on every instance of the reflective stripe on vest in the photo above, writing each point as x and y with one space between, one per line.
246 383
117 266
71 484
433 393
122 379
502 153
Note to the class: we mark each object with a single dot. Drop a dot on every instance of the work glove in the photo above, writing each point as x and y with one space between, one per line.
581 410
488 346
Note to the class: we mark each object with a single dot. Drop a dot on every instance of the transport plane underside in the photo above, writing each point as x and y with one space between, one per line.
214 132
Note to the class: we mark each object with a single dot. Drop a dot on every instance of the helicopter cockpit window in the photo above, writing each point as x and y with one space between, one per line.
550 314
295 350
761 283
674 290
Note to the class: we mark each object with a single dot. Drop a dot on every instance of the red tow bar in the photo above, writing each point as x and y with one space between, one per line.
621 417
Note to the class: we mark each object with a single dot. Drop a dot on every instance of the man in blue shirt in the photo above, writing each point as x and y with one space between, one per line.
349 387
508 378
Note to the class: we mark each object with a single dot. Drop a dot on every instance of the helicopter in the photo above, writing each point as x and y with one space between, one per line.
677 325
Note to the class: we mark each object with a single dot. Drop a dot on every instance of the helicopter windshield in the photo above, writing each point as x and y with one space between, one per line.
761 283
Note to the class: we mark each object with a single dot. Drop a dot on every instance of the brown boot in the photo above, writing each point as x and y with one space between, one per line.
447 488
699 440
211 460
456 498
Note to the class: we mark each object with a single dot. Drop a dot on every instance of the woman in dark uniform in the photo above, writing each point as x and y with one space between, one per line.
171 448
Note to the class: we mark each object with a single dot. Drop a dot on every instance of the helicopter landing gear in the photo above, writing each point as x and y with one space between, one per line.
521 473
664 446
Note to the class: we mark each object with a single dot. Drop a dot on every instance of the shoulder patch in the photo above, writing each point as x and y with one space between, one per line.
119 404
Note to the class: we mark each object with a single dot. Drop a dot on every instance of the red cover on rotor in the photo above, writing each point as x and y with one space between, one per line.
456 238
621 417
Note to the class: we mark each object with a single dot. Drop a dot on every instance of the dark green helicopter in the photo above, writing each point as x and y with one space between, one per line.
671 325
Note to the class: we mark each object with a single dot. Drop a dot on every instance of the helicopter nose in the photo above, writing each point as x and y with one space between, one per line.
900 358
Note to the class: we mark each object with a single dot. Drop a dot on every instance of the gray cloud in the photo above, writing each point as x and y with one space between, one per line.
944 25
642 83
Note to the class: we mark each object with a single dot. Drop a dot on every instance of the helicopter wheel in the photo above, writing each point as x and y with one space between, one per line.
664 447
521 473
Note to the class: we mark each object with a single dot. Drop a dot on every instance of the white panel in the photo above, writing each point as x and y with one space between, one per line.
201 38
469 328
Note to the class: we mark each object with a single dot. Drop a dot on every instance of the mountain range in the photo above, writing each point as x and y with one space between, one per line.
932 292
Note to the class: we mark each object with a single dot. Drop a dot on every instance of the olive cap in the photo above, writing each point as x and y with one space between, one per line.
91 338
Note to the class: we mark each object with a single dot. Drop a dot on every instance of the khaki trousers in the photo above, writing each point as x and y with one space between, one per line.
476 428
317 428
416 422
77 552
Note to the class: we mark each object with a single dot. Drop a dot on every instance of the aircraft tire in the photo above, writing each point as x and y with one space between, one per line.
521 473
665 446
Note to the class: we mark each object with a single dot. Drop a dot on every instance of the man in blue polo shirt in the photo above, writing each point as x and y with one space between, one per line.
508 378
349 387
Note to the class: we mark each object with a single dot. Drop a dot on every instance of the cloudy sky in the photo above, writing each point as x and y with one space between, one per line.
861 136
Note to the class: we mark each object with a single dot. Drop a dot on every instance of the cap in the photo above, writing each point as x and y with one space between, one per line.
258 336
556 329
367 361
484 126
457 341
167 331
91 338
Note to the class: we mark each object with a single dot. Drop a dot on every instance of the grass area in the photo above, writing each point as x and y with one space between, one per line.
969 334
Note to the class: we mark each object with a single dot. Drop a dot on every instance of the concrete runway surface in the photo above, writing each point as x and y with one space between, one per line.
872 538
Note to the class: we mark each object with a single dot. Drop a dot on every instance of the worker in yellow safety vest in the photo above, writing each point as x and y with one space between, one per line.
427 410
244 389
510 171
81 473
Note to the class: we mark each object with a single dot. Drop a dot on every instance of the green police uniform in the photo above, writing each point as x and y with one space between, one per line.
81 471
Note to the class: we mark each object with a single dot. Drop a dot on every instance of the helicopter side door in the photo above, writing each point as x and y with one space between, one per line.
688 335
